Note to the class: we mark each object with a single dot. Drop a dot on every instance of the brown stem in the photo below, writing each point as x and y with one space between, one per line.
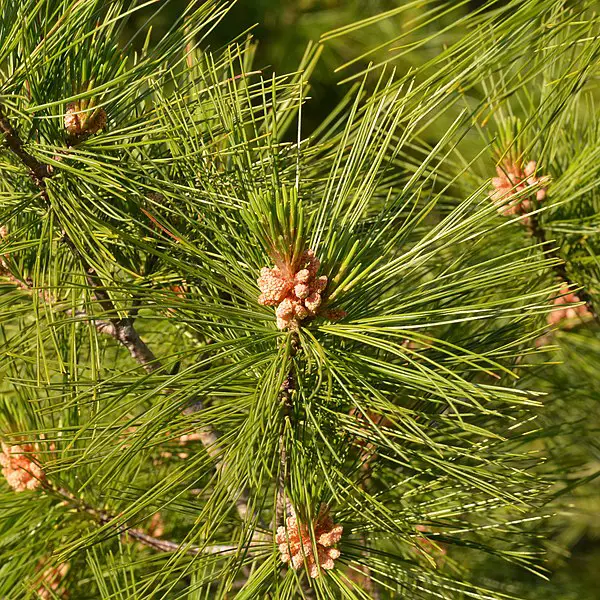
285 397
280 509
123 331
283 505
560 269
38 170
104 518
367 455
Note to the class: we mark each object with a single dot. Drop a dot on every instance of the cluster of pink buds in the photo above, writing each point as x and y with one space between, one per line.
570 315
296 292
296 544
513 178
19 467
51 581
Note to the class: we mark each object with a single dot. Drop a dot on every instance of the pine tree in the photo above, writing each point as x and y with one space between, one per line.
242 361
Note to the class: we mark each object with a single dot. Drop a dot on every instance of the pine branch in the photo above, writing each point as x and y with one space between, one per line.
282 504
280 509
103 518
435 311
122 330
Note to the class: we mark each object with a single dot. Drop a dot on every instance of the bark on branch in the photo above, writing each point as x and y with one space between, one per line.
37 170
162 545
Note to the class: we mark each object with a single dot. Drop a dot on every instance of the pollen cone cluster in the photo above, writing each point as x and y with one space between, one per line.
569 313
513 178
84 122
51 582
296 545
295 292
19 469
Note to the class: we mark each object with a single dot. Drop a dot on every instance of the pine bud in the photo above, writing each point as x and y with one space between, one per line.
51 582
313 302
297 295
301 290
569 316
80 122
285 310
19 467
302 276
514 178
296 544
273 285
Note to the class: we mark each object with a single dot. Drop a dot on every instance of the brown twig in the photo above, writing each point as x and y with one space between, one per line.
39 171
285 397
104 518
368 452
280 509
123 331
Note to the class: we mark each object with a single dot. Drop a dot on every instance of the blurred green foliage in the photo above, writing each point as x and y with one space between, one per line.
284 28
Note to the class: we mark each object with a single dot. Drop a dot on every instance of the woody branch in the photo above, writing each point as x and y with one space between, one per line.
120 329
